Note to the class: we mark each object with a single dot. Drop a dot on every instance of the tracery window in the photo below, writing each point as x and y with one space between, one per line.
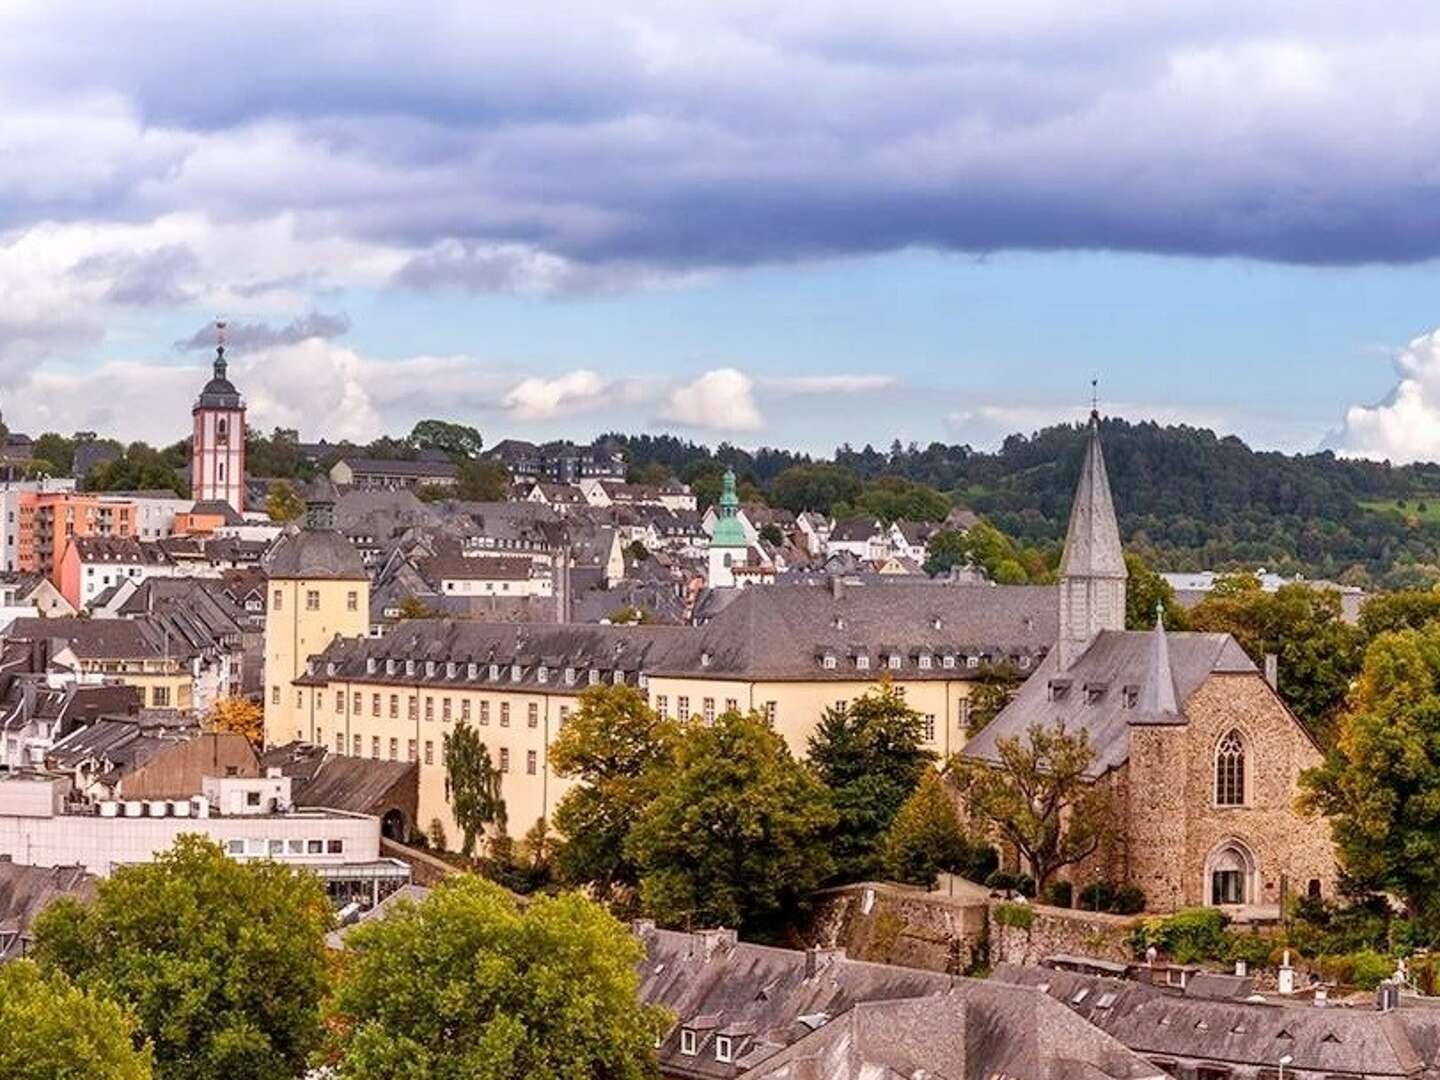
1230 770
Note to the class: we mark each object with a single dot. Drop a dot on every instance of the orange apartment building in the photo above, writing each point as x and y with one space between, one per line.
48 519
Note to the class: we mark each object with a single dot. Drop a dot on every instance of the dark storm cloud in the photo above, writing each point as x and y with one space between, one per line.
683 136
243 337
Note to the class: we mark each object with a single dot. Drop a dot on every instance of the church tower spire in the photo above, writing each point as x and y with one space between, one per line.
1092 569
217 448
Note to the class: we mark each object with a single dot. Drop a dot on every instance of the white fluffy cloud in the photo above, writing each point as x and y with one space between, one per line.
719 400
538 398
1406 425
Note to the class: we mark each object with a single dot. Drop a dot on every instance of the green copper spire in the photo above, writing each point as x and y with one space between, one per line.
728 532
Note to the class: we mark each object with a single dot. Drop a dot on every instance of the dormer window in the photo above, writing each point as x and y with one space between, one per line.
924 661
947 662
1058 689
429 669
515 672
330 668
972 662
862 663
389 667
895 661
310 667
1094 693
370 666
643 681
569 676
472 671
724 1049
688 1042
1130 696
409 667
450 669
704 659
542 674
494 671
828 662
618 677
594 676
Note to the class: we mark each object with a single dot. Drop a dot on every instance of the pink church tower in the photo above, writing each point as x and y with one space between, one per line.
217 457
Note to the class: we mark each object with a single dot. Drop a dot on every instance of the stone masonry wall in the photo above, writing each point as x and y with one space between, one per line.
893 924
1055 931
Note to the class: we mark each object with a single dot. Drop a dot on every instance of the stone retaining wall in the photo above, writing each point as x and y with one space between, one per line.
1053 931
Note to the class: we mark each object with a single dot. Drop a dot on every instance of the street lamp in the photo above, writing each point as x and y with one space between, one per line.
1286 1060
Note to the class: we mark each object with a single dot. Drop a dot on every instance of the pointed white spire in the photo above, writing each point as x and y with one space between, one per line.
1092 569
1157 693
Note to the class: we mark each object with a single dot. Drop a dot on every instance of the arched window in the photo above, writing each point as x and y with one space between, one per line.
1230 770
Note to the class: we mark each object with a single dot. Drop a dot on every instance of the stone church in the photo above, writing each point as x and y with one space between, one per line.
1202 757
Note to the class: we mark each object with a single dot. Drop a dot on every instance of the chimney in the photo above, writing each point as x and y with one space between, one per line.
1322 997
1286 981
1242 968
1387 996
837 586
818 959
1272 670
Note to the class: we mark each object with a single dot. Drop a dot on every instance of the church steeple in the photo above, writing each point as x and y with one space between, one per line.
1157 692
1092 569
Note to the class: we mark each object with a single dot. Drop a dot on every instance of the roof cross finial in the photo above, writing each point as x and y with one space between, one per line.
1094 399
220 348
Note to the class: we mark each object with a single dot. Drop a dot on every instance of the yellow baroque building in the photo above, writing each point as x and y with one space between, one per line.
787 651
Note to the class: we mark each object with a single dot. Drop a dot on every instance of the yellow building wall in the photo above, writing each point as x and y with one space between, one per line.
798 706
297 628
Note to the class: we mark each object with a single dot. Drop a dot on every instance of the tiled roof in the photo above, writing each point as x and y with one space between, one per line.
310 554
26 891
381 467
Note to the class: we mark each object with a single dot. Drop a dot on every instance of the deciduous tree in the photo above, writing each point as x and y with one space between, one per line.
221 963
240 716
475 797
461 441
55 1030
1380 782
616 747
1038 799
466 985
481 480
870 754
737 832
926 838
1144 592
283 502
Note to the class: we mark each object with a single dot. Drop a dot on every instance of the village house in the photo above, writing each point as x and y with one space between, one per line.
1199 753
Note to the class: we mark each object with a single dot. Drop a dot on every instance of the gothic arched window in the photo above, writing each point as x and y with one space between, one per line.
1230 770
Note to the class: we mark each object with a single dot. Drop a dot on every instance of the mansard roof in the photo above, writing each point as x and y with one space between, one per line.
1092 542
1102 692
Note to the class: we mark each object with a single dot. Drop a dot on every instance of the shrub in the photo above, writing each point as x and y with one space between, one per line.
1059 893
1252 948
1129 900
1116 899
1365 969
436 835
1187 936
1097 896
1024 884
1016 915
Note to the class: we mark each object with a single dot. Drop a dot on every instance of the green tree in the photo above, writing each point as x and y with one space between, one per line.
630 615
946 550
461 441
198 947
1380 783
651 474
891 498
926 838
814 487
1039 799
737 833
482 480
1319 653
275 455
474 784
870 754
1144 592
57 451
140 467
772 534
1399 610
616 748
637 551
467 985
54 1030
283 502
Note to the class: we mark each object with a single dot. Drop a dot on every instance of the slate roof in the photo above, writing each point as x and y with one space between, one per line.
1114 667
785 631
1092 541
26 891
117 748
91 639
118 549
335 781
478 568
310 554
362 466
854 530
1400 1043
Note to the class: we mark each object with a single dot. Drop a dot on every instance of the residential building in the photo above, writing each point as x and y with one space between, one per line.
48 520
558 462
755 1012
217 453
29 595
10 499
155 511
26 891
335 780
487 575
1200 755
140 758
865 538
374 474
136 652
92 565
38 709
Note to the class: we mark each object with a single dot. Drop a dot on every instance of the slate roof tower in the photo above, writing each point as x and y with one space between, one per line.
1092 570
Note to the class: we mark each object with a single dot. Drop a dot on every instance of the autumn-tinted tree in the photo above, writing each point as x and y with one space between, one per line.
461 441
616 748
467 985
1038 799
283 502
926 838
870 754
1318 652
737 833
238 715
1399 610
1380 782
473 781
412 607
221 963
53 1030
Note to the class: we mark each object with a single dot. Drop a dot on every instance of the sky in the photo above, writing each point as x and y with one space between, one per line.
789 225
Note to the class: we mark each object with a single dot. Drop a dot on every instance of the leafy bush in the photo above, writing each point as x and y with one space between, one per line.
1365 969
1187 936
1024 884
1016 915
1097 896
1059 894
1251 947
1116 899
1129 900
